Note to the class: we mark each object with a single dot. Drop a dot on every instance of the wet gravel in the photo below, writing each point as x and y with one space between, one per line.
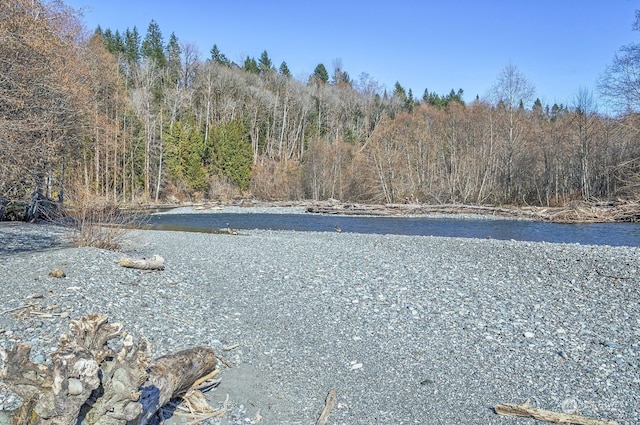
408 330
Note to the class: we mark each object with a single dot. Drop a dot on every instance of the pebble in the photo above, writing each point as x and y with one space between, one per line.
39 359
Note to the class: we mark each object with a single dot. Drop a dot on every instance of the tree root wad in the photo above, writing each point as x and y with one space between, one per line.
100 375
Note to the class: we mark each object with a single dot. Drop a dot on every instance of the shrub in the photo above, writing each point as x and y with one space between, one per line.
98 223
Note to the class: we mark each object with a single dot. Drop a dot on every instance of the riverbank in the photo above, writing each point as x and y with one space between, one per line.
577 212
405 329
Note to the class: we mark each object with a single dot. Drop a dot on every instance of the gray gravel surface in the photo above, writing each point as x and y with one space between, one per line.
408 330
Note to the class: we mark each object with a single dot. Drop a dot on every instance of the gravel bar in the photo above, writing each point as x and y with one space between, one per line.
406 329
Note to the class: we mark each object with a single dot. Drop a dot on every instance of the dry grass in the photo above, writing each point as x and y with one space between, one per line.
99 223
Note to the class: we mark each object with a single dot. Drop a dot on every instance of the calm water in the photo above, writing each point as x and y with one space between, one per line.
617 234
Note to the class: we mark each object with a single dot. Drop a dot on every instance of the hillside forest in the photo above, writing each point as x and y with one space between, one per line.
139 118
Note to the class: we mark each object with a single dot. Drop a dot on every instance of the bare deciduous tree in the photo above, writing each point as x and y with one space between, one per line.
510 92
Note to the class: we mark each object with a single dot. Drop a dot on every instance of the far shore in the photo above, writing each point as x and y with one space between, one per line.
578 212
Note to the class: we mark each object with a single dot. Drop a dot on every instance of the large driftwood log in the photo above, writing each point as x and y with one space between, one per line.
172 376
100 376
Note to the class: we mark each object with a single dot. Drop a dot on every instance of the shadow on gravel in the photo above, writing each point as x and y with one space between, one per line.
17 237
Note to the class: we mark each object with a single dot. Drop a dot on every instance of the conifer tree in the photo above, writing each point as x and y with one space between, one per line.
218 57
399 92
174 65
184 144
117 44
264 63
320 74
410 103
130 60
231 155
250 65
132 45
284 69
153 45
537 106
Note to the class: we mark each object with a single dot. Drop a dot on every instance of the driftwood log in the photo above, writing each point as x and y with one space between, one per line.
100 375
525 410
156 262
329 403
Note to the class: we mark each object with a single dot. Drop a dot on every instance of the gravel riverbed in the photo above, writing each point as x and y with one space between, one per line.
407 330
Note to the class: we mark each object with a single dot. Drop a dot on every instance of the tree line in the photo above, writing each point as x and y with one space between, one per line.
132 118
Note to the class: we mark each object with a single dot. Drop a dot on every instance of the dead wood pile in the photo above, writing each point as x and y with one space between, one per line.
577 212
593 212
99 375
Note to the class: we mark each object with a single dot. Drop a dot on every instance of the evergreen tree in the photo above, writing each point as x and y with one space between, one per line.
184 144
132 45
441 101
174 63
431 98
320 74
399 92
537 106
117 45
454 97
231 155
341 77
107 37
218 57
284 69
264 63
409 103
251 66
153 45
556 111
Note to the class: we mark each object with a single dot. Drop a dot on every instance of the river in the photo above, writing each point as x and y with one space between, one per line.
614 234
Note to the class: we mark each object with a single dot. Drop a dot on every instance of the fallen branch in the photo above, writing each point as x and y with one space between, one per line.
525 410
601 273
329 402
154 263
230 347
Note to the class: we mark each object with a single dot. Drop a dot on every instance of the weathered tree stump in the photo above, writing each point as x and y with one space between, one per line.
100 375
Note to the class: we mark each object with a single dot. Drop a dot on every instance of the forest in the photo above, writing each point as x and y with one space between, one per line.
132 118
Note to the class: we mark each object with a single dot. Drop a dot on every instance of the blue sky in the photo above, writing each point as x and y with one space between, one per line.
559 45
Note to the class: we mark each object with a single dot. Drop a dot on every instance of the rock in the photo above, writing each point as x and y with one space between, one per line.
75 386
57 273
